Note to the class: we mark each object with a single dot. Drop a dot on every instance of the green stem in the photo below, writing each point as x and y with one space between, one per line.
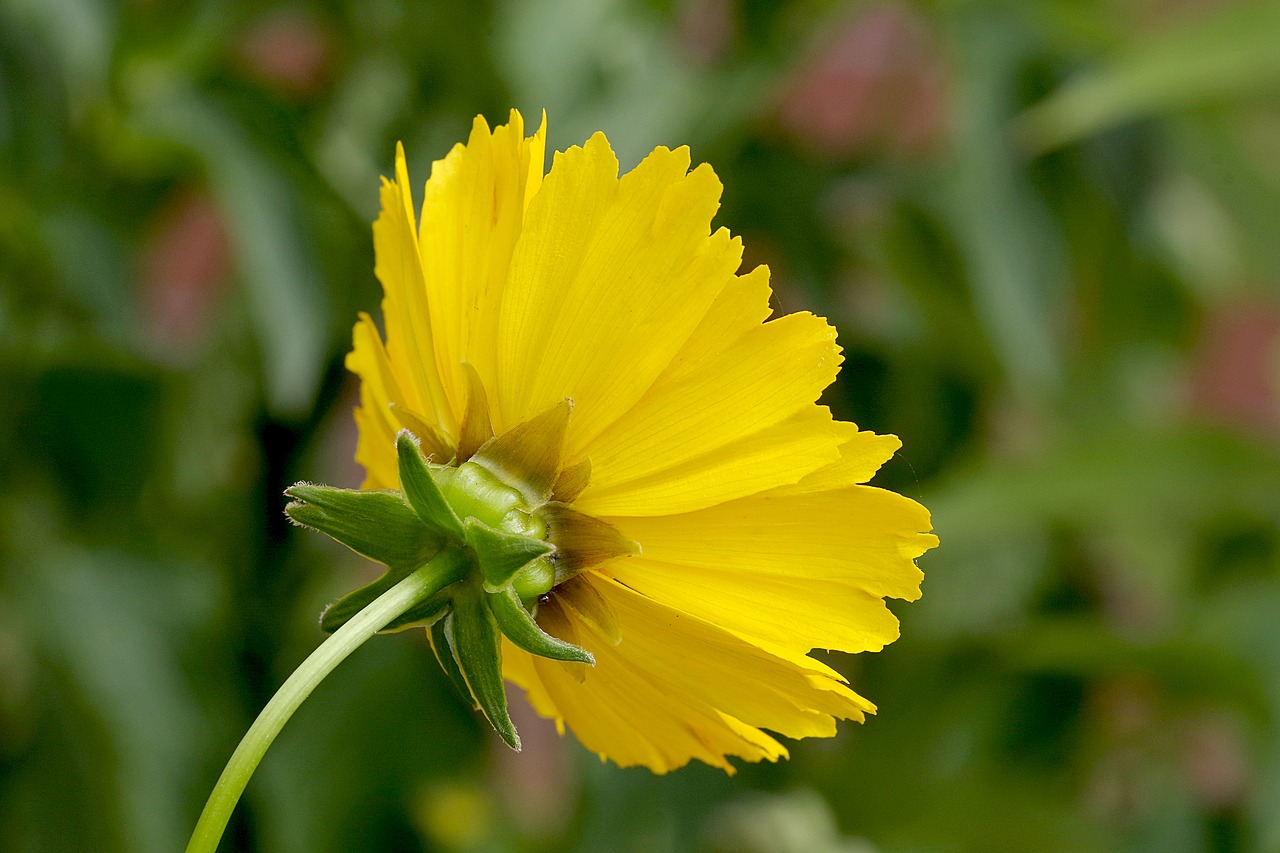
441 571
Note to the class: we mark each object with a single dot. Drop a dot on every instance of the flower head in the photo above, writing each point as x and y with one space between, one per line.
708 523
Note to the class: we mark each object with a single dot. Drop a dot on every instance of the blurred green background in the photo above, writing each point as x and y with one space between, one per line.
1049 233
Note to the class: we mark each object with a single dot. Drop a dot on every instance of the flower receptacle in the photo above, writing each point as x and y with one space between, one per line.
501 542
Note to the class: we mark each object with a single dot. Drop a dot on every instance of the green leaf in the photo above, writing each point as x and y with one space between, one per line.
421 489
1013 248
374 523
1226 55
474 640
520 628
502 554
529 456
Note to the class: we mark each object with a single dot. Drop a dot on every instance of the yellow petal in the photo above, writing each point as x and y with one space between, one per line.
698 420
677 688
608 280
783 612
536 154
764 377
379 388
775 456
626 714
860 535
741 307
472 212
688 656
631 729
410 340
581 184
860 457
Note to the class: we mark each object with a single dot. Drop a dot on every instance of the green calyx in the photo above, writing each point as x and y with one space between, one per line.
499 539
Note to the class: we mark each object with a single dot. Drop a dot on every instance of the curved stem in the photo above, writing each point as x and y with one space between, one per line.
435 575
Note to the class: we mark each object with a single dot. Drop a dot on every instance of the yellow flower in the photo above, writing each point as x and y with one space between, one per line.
694 432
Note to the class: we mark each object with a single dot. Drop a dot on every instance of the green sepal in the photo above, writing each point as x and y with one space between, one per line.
438 634
520 628
474 639
335 615
535 578
375 524
421 615
502 554
421 489
476 492
585 602
571 481
581 540
434 445
529 456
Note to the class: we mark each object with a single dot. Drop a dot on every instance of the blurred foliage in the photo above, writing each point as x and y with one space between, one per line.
1046 231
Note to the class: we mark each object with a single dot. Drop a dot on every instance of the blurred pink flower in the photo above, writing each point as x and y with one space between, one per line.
1235 376
876 78
1215 759
289 50
707 29
184 267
